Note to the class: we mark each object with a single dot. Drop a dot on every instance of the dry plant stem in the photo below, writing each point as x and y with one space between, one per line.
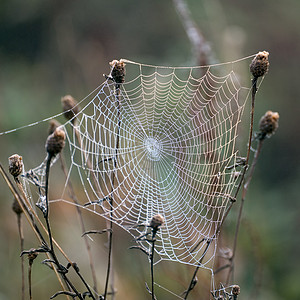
111 199
254 90
20 229
244 192
87 244
29 280
197 40
89 165
33 214
28 214
51 250
193 280
154 230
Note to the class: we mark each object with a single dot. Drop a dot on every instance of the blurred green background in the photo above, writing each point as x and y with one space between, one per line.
52 48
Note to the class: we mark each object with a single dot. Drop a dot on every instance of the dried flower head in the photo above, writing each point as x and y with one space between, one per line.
16 207
32 255
53 124
268 124
157 221
15 165
260 64
55 141
235 290
70 107
118 71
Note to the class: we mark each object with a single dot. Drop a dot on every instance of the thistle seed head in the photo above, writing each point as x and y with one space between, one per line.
260 64
70 107
235 290
268 124
15 165
157 221
118 71
55 141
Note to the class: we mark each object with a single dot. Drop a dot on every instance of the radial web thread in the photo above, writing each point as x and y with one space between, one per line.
163 143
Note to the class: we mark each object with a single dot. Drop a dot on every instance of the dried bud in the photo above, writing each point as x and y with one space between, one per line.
53 124
70 107
157 221
32 255
268 124
235 290
15 165
55 141
118 71
260 64
16 207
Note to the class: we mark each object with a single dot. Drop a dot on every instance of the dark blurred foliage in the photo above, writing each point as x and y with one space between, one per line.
52 48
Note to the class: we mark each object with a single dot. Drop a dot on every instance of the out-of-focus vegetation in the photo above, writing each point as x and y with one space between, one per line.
52 48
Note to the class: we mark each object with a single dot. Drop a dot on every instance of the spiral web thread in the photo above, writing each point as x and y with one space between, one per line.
163 143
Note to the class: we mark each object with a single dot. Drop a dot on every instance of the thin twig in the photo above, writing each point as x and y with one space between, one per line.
20 229
152 262
83 229
194 280
244 192
254 90
29 279
46 217
111 200
29 214
199 45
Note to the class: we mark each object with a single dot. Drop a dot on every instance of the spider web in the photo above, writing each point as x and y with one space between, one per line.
164 142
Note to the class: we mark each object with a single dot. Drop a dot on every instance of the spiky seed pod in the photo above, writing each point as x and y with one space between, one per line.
15 165
260 64
16 207
235 290
70 107
118 71
55 141
53 124
268 124
157 221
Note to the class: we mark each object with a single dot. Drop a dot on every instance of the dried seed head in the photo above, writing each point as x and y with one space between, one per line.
268 124
16 207
260 64
55 141
15 165
32 255
235 290
118 71
70 107
157 221
53 124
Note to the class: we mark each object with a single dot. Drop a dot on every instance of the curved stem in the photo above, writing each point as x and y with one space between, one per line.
46 216
111 199
193 280
254 90
244 192
86 241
